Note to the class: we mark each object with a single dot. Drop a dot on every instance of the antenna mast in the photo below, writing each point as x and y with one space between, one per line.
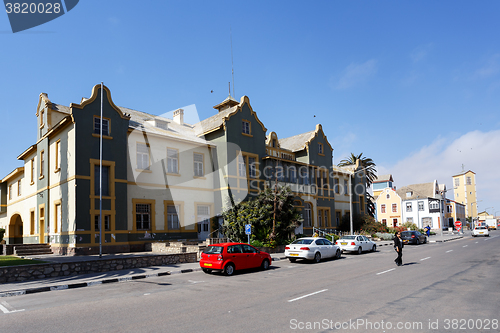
232 64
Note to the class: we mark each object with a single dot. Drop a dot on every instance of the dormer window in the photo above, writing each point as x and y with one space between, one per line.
320 149
41 119
246 128
274 143
97 126
409 194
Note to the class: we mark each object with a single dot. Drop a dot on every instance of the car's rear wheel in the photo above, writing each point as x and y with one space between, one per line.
265 264
360 250
229 269
292 259
418 242
338 254
317 257
374 248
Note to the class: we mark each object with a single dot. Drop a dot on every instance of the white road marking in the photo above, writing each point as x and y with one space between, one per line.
477 242
425 258
386 271
195 281
465 246
146 294
449 251
314 293
7 308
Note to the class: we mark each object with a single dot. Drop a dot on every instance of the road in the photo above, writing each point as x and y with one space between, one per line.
441 288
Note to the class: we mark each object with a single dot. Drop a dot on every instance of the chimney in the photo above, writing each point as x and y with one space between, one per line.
179 116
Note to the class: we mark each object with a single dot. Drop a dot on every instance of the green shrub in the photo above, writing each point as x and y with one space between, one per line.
257 243
384 235
2 233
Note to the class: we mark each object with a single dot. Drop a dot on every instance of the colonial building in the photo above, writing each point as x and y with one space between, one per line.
162 179
388 205
464 189
455 211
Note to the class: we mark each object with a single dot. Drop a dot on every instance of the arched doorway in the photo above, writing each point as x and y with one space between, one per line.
15 230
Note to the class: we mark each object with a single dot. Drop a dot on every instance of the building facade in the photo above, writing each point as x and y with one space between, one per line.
455 211
464 191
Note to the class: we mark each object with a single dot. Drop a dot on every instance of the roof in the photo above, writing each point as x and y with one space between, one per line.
383 179
463 173
214 122
297 142
418 191
16 172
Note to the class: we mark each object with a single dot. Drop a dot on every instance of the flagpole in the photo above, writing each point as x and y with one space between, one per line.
100 183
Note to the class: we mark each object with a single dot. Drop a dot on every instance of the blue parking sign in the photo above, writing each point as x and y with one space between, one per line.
248 229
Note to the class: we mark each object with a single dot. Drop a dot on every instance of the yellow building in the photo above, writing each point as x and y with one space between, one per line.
388 205
464 189
455 211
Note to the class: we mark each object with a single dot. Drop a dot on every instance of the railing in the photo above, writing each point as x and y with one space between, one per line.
330 232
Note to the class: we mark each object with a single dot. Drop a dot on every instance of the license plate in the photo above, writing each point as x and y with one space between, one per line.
481 233
293 255
209 265
343 243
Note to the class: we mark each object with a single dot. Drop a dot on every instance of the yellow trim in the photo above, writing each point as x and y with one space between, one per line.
41 223
55 204
94 95
106 137
32 221
249 134
109 127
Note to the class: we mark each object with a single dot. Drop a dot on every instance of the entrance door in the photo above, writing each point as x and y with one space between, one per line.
16 229
203 219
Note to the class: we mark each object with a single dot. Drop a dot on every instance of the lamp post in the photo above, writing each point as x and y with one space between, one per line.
350 198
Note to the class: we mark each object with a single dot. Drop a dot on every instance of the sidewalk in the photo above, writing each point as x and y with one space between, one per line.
87 280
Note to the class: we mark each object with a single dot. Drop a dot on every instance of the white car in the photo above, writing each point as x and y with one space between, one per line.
356 243
312 248
480 231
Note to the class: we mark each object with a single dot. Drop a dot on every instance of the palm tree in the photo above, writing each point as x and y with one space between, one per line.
364 162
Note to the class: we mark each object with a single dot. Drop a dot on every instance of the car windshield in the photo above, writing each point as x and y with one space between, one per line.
349 237
480 227
213 250
303 241
406 233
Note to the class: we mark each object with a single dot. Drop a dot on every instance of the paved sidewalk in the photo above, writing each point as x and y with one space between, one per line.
87 280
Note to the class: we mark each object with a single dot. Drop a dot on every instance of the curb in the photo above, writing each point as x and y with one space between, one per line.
92 283
446 240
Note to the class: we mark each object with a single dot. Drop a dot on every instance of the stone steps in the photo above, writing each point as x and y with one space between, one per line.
31 249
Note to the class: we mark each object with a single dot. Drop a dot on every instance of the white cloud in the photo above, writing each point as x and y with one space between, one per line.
420 52
476 150
355 74
490 68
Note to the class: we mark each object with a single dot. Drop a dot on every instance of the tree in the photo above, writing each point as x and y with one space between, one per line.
259 213
364 162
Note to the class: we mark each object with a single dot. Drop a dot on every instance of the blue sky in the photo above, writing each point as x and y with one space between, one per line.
413 85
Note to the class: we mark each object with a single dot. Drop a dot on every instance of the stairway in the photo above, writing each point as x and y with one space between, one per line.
31 249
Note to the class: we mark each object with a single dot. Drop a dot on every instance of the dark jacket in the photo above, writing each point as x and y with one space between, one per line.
398 243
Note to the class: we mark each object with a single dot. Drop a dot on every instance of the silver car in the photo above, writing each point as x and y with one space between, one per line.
312 248
356 243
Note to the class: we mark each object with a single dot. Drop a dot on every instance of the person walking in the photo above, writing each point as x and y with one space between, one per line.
398 247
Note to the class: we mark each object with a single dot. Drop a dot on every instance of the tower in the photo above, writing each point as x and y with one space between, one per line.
464 191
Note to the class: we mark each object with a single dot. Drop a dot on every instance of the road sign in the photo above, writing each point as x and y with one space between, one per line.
248 229
458 225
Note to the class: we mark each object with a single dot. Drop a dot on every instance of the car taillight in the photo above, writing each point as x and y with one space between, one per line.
219 257
412 236
336 243
287 247
352 243
305 248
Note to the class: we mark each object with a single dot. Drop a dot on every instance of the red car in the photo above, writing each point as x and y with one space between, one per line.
228 257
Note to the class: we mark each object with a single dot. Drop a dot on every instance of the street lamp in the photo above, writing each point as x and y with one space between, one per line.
350 197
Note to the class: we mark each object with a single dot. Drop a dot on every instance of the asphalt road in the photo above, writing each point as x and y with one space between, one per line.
443 287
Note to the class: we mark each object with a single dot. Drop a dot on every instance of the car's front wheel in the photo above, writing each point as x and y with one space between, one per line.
265 264
374 248
317 257
338 254
229 269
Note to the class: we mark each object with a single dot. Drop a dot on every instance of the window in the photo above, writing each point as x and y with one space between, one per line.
105 180
173 217
57 217
97 226
97 126
246 127
409 219
337 217
384 221
388 196
304 175
449 209
394 223
327 212
172 160
320 148
394 208
346 192
32 222
469 180
42 162
292 174
306 215
408 194
274 143
41 118
336 185
320 218
408 207
252 167
58 156
198 165
143 216
10 192
420 205
19 188
32 175
203 219
242 170
142 156
457 182
382 209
